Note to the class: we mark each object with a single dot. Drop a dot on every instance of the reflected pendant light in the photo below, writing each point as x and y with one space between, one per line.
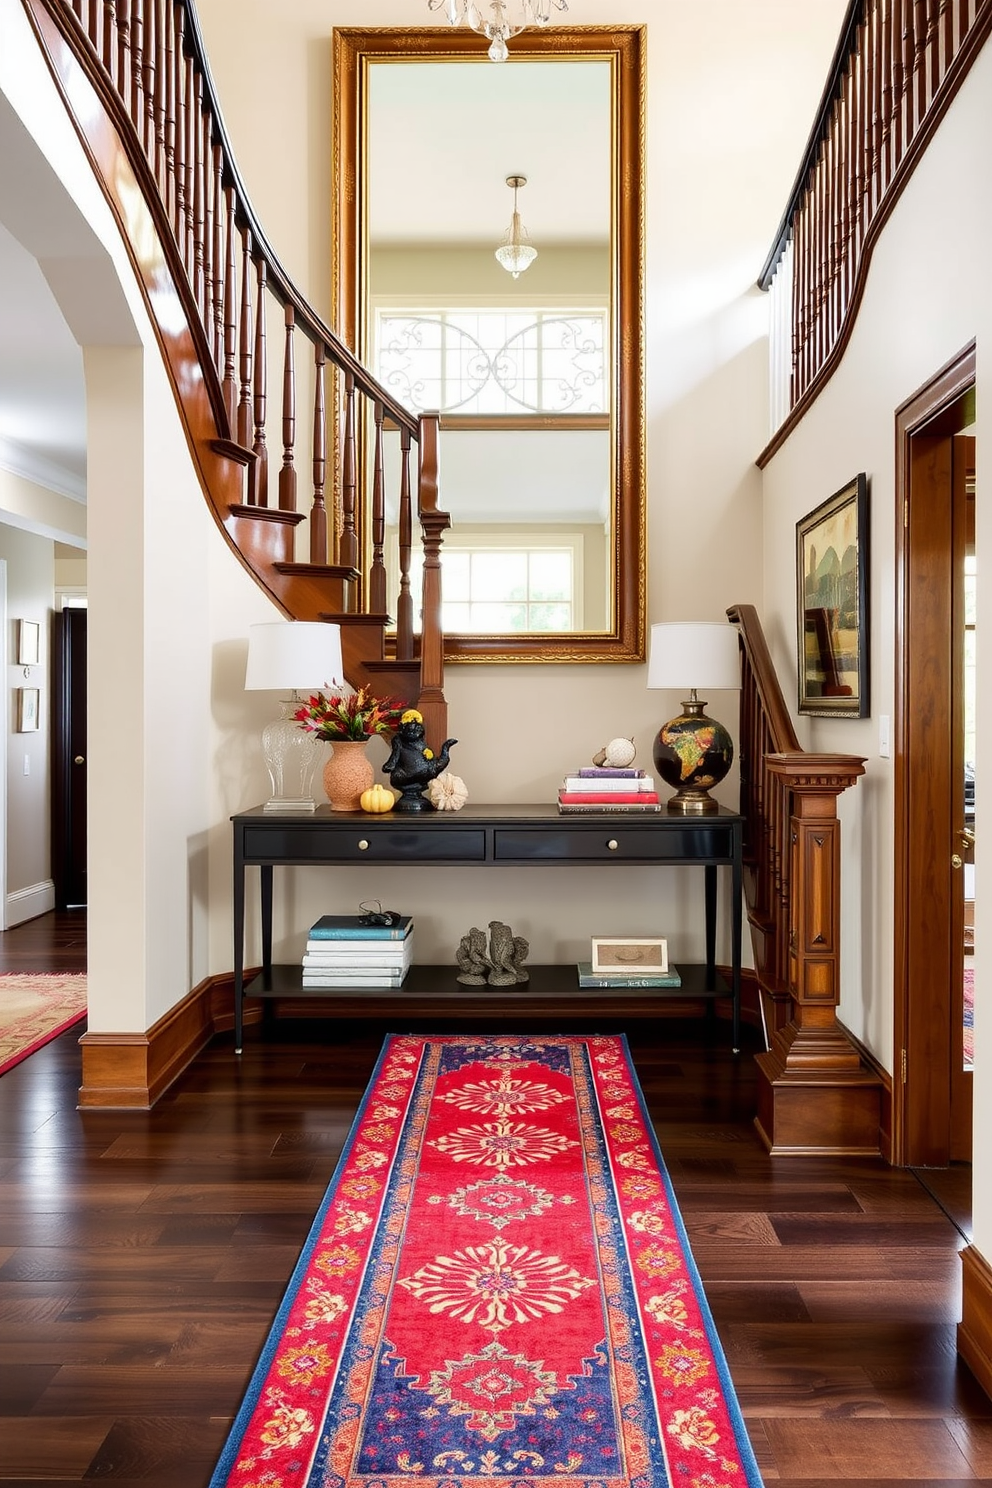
515 253
498 19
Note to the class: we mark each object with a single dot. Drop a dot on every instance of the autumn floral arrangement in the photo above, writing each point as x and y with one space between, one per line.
358 715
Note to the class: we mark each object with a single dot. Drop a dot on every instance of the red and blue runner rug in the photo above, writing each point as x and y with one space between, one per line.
497 1286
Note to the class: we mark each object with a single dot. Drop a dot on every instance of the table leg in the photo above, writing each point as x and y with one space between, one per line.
239 947
265 874
737 916
710 871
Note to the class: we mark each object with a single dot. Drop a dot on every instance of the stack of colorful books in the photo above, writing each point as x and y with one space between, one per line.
347 951
599 788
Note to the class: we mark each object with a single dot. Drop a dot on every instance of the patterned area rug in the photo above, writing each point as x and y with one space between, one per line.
969 1017
497 1285
34 1008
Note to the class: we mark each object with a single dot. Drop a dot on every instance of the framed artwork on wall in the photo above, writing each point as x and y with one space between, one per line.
28 643
28 707
832 604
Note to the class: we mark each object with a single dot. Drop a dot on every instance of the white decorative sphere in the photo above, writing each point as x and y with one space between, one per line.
619 753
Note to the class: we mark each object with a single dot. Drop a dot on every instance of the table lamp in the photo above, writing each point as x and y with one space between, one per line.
692 752
291 656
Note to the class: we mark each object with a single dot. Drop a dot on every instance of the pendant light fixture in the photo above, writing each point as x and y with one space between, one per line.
498 19
515 253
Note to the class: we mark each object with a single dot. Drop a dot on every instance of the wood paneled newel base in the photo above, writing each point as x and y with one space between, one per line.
815 1094
975 1327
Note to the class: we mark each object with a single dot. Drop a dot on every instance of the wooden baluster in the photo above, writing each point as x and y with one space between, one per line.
885 155
245 341
433 525
229 385
404 602
347 538
209 208
159 89
947 48
80 8
821 258
123 75
199 209
217 259
919 61
376 599
258 471
834 226
898 79
287 473
137 66
179 132
189 168
933 49
798 266
108 41
318 512
851 185
803 298
169 120
147 127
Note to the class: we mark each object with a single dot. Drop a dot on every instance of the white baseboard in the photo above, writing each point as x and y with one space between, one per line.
25 904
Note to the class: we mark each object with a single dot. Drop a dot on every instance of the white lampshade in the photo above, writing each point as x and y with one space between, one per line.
289 655
700 655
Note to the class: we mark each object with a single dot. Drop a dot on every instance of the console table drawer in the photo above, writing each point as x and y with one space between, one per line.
612 842
326 843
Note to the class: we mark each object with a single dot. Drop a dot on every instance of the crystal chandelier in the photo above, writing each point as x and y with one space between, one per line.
515 253
498 19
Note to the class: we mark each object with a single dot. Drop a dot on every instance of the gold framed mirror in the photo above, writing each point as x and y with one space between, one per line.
538 374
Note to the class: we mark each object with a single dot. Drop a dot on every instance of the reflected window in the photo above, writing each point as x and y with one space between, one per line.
505 587
494 361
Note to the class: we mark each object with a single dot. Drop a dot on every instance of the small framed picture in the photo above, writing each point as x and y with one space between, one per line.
28 703
645 955
28 642
832 592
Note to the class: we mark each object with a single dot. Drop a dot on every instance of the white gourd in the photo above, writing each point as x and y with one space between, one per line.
619 753
447 792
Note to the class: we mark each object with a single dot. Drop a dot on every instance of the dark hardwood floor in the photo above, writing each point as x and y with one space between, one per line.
142 1256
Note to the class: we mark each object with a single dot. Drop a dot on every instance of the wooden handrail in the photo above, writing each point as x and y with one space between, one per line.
813 1092
896 69
152 126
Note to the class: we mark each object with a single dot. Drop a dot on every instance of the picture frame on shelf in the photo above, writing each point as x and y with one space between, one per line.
644 955
28 643
28 709
832 605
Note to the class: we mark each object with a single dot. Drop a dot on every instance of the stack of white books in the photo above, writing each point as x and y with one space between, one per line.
347 951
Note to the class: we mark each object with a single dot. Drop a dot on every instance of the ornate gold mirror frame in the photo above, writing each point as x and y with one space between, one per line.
355 50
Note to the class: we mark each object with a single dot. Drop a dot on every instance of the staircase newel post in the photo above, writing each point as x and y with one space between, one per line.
814 1093
434 524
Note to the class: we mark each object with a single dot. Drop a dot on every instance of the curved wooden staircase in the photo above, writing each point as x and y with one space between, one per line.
135 81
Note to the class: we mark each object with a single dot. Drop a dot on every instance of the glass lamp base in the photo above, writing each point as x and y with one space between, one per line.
290 755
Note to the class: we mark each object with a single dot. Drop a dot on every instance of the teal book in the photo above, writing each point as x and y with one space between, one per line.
353 927
588 978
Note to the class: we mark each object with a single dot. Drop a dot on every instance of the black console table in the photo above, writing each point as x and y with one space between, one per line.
512 836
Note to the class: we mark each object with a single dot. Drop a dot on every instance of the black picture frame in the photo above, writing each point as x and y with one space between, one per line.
832 605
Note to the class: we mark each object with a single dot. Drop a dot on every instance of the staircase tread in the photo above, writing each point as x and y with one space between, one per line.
319 570
266 514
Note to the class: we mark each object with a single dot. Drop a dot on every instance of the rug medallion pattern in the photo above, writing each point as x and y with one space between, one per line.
497 1285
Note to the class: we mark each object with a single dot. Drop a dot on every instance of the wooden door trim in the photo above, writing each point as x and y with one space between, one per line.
933 413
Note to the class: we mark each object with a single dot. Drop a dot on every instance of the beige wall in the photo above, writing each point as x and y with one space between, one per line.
471 275
29 891
928 294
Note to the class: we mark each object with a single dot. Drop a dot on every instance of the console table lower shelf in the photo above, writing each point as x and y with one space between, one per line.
552 995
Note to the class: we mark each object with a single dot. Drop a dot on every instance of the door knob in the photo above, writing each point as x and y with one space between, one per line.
956 861
78 760
967 837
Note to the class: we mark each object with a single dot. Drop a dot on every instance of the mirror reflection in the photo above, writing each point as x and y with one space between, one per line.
462 167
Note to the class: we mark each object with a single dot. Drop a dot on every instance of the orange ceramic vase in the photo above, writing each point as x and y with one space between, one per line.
347 773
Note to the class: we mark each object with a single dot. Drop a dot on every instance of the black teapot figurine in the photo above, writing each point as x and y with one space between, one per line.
411 766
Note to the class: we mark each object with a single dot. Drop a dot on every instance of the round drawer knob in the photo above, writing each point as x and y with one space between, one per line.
78 760
363 845
613 844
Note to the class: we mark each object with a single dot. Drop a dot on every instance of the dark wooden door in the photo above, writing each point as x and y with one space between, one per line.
962 547
931 1107
69 758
